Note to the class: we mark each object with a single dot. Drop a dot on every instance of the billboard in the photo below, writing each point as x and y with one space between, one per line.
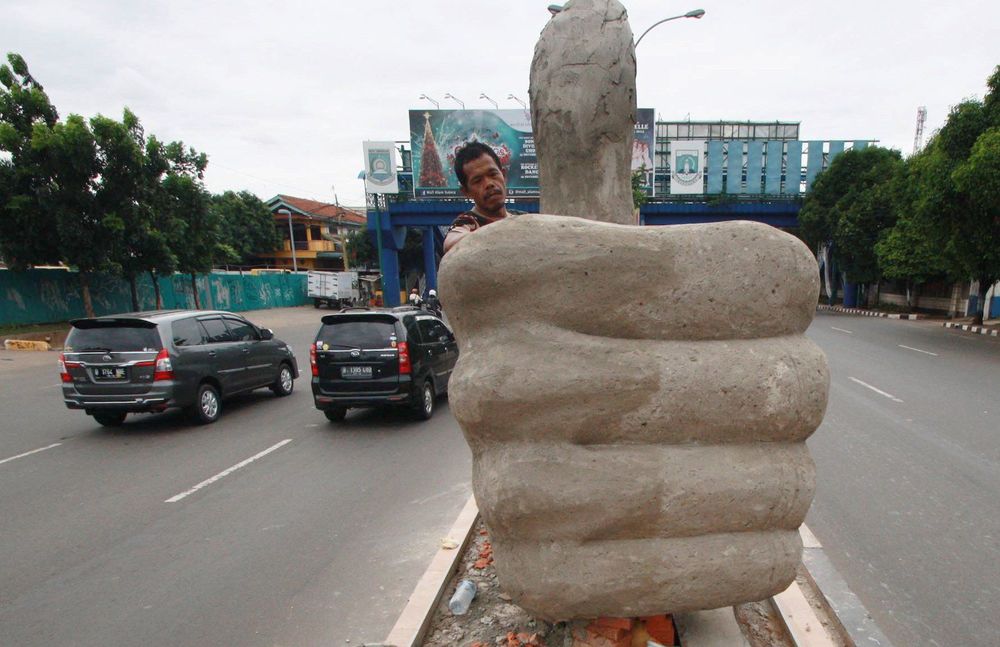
686 167
436 135
643 146
380 167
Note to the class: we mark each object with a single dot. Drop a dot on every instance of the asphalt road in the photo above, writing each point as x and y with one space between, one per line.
317 542
908 495
321 540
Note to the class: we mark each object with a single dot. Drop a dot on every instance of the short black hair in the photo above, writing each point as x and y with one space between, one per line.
469 152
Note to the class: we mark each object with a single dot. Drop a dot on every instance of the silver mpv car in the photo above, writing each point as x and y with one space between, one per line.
153 361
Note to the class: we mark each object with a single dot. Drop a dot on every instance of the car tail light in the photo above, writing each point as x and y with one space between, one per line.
312 361
404 358
164 368
64 367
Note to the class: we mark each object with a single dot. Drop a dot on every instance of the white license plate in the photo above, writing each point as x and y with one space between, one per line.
109 373
356 372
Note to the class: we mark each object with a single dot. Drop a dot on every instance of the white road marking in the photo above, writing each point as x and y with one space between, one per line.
925 352
842 330
879 391
33 451
178 497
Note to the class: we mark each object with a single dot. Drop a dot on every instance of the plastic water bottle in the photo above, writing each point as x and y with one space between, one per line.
464 592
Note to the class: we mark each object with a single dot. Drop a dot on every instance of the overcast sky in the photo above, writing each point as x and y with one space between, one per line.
280 95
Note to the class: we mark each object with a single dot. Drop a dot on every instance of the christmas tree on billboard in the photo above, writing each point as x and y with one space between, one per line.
431 173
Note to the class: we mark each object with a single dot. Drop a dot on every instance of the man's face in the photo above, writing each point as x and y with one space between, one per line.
486 184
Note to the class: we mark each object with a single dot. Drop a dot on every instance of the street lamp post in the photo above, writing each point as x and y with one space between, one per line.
511 96
695 13
448 95
483 96
437 106
291 238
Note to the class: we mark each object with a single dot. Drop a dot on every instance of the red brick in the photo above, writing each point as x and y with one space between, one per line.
660 629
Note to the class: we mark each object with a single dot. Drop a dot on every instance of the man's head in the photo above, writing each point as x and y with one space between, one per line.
482 178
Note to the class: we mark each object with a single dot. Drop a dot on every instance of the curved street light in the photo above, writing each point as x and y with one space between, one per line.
455 99
437 106
483 96
511 96
695 13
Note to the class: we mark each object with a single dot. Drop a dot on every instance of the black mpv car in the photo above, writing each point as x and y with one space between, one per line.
381 357
153 361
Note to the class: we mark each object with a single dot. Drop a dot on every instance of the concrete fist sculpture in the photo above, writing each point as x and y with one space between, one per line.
637 402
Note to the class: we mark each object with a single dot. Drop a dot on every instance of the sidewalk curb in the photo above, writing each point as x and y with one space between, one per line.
413 622
870 313
975 329
855 622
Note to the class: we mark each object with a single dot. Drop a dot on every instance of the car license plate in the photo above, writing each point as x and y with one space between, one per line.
356 372
110 373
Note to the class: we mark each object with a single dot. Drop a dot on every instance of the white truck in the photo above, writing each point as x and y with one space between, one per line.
333 289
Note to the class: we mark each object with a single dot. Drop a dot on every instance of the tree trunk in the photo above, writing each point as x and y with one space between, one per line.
134 291
981 307
88 305
156 290
194 291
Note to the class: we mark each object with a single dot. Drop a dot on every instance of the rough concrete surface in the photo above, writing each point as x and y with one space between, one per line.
583 110
628 459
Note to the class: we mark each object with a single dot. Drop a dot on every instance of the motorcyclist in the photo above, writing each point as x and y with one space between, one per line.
432 303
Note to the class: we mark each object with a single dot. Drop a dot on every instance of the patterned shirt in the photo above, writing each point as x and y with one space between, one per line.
472 220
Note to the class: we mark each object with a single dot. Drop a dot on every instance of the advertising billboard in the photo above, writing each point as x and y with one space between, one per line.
643 146
436 135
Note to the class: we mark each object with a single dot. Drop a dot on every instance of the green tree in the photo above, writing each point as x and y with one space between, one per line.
246 224
131 170
85 233
26 227
359 248
911 250
195 238
849 209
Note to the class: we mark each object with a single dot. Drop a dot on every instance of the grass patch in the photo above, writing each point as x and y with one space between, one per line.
12 330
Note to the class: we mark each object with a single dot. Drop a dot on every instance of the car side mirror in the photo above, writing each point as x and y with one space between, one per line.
266 333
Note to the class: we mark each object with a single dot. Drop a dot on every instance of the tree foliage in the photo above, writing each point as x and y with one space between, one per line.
246 223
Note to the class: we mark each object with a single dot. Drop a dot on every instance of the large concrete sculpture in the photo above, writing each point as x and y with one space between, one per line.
637 402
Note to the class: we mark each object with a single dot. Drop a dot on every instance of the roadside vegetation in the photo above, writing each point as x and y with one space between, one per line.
102 195
935 214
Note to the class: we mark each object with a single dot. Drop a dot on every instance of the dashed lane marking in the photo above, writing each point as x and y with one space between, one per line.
209 481
849 332
33 451
925 352
876 390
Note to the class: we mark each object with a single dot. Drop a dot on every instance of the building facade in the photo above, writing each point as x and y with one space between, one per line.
317 235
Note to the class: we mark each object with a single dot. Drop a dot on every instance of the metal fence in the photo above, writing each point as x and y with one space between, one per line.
42 296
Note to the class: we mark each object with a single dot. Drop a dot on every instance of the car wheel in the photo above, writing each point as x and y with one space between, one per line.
284 383
425 404
110 419
335 415
208 406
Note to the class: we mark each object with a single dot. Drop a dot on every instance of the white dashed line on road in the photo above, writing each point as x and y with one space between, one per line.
33 451
849 332
879 391
925 352
209 481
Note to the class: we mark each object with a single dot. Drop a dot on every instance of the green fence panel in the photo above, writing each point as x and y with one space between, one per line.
42 296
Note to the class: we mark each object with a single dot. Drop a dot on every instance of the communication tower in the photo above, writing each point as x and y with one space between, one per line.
918 136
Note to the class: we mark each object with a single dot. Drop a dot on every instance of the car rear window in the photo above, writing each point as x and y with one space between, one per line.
112 336
359 333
